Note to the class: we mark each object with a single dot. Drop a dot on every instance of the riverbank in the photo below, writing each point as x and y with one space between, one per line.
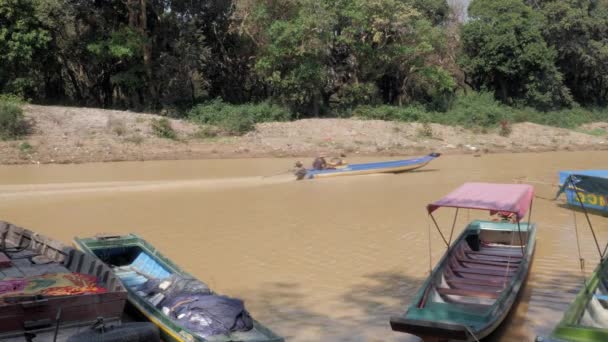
78 135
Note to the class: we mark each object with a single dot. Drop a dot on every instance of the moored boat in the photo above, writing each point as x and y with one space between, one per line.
50 291
395 166
586 319
183 307
588 188
474 285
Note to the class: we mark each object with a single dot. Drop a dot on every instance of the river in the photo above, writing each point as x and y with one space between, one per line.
327 259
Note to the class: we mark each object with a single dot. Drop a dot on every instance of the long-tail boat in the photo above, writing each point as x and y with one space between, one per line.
474 285
394 166
588 188
137 263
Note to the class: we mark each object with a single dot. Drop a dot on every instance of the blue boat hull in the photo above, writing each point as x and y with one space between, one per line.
394 166
591 200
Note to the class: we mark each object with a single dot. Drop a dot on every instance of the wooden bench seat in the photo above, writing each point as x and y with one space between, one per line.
476 282
503 273
483 266
467 293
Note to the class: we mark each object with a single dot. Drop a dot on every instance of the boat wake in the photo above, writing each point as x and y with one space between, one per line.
213 184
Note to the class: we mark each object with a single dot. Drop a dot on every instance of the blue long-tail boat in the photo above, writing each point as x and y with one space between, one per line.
588 188
394 166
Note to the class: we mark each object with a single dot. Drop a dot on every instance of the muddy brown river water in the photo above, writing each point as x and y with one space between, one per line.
319 260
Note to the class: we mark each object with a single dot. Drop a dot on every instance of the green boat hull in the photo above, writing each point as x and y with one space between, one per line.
572 327
170 331
445 319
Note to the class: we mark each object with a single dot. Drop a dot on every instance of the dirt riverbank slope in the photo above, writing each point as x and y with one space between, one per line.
75 135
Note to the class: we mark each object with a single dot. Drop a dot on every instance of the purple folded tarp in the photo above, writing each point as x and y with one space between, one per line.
512 198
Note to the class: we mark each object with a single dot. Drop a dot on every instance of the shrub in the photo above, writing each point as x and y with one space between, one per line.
425 131
117 126
162 128
136 139
505 128
475 110
12 121
237 119
25 147
206 132
392 113
565 118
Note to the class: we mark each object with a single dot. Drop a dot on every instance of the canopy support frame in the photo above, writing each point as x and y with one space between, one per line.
439 230
578 196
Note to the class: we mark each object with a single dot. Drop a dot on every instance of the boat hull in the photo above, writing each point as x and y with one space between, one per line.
169 330
396 166
577 323
594 201
431 315
56 299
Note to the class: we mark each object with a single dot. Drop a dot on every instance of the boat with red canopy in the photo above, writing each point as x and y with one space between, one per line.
474 285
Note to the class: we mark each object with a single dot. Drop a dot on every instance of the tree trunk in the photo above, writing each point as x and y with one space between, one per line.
147 51
502 83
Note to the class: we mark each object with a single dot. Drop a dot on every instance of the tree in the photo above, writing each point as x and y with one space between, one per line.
325 54
23 48
504 51
578 31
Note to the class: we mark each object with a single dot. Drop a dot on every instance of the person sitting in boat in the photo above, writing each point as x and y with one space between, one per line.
337 161
319 163
504 216
299 170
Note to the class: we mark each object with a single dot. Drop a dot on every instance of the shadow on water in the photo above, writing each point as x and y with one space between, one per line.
416 171
594 212
539 307
368 307
382 295
370 304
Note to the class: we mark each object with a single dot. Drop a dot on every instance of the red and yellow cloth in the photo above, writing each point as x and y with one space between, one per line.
54 284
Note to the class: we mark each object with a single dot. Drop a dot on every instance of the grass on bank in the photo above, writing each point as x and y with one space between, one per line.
237 119
12 121
481 110
478 111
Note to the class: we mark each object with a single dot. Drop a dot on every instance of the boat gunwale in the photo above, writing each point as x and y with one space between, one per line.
491 316
569 325
391 166
152 313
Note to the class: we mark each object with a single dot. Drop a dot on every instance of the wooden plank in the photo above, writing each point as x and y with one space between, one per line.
484 262
23 254
12 272
469 287
477 282
467 293
4 260
495 254
21 263
481 266
507 274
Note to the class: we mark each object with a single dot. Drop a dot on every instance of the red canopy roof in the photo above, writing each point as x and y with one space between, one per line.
512 198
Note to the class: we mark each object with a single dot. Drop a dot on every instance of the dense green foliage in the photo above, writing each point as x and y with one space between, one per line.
578 31
481 110
237 119
12 122
387 59
504 50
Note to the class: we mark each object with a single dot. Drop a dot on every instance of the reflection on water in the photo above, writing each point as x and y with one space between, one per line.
314 260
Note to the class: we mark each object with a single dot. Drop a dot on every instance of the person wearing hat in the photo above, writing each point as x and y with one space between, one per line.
300 171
